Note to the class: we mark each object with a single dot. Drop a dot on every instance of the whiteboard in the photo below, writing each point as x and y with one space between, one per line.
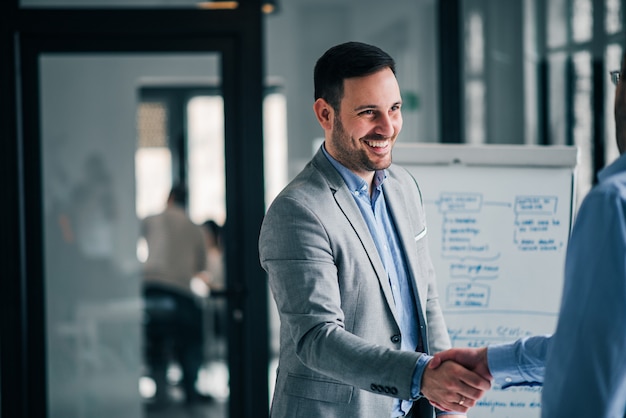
498 219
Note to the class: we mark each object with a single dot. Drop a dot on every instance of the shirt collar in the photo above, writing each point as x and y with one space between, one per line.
355 183
616 167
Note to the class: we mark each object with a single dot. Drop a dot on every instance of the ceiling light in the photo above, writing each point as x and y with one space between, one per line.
267 7
218 5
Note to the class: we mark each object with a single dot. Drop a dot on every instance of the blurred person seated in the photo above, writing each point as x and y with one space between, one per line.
174 314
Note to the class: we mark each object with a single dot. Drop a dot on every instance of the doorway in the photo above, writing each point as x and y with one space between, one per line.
79 348
103 173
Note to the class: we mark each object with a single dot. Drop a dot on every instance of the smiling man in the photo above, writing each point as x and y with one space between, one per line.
345 249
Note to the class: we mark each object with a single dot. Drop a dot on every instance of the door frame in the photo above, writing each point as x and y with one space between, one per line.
27 33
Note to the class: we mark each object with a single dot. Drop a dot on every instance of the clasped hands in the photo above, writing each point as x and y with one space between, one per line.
456 378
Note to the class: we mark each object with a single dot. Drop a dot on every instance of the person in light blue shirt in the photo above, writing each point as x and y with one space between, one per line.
583 365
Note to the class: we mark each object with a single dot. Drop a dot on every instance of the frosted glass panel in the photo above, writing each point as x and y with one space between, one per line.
557 29
557 98
582 20
613 60
92 177
474 44
583 122
205 150
613 17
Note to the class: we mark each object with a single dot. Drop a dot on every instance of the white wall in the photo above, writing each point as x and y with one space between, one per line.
300 33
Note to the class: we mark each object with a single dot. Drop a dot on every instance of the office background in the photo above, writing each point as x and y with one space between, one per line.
105 104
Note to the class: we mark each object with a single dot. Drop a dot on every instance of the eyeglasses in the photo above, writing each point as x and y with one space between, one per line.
615 76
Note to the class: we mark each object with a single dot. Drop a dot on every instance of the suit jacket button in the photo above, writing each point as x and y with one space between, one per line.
395 338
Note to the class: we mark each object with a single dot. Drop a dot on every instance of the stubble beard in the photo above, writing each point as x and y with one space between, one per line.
358 160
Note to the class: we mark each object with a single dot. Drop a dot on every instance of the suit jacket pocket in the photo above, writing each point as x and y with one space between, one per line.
318 390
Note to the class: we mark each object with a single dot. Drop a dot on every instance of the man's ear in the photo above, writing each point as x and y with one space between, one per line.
324 113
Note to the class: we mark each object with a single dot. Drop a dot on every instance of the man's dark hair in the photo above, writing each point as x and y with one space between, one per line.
178 194
347 60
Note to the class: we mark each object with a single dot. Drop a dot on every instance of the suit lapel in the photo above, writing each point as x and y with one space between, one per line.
348 206
353 214
400 210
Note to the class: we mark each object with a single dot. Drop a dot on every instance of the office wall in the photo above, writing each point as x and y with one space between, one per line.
301 31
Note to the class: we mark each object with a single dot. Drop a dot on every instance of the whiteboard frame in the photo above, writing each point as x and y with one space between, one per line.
485 155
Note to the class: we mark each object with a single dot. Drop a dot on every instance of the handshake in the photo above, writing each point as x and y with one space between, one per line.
456 378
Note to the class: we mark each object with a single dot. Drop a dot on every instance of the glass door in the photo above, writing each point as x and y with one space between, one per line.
76 305
123 275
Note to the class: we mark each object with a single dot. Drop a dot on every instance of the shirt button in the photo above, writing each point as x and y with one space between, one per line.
508 380
395 338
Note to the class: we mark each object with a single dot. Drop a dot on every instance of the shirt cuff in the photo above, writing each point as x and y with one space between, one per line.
416 386
500 357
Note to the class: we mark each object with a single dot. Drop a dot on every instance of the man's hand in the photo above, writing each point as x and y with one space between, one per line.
474 359
452 387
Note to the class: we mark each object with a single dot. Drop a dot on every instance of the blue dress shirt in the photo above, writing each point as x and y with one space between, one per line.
521 363
380 223
586 362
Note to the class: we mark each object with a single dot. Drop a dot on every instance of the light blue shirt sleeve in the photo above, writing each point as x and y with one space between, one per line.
586 362
416 387
520 363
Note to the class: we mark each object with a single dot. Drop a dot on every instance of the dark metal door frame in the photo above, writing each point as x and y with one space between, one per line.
27 33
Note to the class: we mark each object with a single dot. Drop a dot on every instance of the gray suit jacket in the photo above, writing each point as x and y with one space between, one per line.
339 334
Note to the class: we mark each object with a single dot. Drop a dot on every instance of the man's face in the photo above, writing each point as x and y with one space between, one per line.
620 109
367 124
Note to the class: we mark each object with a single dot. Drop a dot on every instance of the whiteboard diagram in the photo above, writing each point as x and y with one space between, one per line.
474 259
498 222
